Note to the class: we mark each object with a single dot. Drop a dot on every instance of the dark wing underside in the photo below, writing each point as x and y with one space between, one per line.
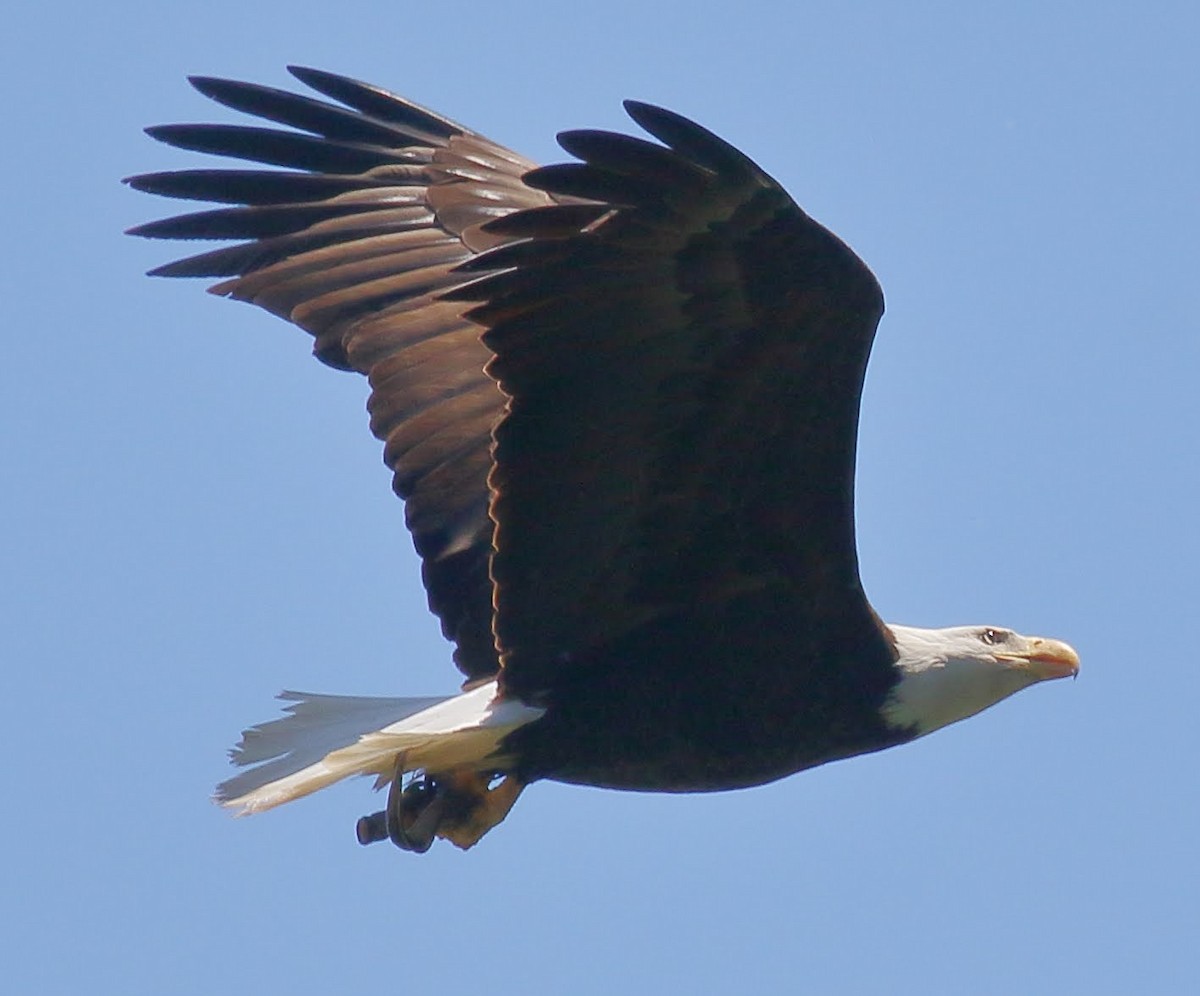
684 381
353 241
680 348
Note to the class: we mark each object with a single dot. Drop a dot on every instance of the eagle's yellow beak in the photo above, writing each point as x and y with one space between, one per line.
1045 659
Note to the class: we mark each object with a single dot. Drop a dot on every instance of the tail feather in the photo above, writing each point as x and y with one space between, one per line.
325 738
314 726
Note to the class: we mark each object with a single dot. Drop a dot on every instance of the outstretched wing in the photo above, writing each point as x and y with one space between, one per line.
353 241
684 378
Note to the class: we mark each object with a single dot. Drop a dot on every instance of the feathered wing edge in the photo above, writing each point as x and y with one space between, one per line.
325 738
376 203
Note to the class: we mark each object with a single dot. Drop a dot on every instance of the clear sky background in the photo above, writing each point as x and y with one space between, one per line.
194 516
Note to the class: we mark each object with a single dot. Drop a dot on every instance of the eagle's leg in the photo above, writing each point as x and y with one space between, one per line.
475 802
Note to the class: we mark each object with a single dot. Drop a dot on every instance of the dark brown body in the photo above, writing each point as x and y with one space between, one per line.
677 705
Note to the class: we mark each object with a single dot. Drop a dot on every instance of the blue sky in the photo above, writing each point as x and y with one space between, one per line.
195 516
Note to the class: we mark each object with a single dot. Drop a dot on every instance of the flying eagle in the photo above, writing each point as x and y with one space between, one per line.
619 397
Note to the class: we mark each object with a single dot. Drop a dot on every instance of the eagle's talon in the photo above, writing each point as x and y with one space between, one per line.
478 803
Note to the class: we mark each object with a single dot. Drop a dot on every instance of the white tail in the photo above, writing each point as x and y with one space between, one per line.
325 738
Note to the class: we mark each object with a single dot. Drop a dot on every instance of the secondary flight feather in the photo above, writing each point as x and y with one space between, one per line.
619 397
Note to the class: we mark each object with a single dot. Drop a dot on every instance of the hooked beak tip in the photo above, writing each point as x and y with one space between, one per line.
1049 659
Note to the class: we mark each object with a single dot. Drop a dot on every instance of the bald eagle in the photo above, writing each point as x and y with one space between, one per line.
619 397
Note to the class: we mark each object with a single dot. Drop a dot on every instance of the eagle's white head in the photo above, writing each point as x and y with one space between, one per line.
950 674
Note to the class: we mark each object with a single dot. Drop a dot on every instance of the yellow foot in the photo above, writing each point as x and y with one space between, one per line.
458 806
473 805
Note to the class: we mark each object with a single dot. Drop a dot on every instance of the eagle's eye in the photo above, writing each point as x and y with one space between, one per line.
992 636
